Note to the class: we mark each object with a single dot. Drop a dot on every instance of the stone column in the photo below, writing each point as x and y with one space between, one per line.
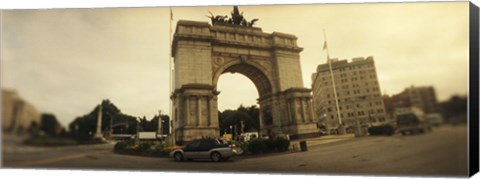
312 115
187 112
209 111
289 107
199 111
304 116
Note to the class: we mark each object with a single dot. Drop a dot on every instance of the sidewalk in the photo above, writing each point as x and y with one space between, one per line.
295 144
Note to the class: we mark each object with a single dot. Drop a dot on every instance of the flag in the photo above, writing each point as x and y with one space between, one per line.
325 45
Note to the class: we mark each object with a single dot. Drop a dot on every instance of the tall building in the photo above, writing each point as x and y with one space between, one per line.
17 114
423 98
358 94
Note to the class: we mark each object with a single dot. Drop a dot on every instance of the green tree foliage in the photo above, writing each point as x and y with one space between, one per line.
84 127
50 125
234 118
152 124
453 108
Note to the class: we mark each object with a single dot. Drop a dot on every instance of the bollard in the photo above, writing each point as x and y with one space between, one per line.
303 146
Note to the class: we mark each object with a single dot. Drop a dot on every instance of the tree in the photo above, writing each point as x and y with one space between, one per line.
234 118
455 108
50 125
84 127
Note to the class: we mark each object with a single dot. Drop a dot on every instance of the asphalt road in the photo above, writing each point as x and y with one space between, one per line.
442 152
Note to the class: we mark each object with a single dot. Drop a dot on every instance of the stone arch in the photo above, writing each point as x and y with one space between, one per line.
203 52
253 71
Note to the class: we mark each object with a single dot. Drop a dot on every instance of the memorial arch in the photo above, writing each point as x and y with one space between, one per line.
203 52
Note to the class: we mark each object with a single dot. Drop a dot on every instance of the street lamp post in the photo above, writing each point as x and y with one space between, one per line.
358 130
231 130
110 131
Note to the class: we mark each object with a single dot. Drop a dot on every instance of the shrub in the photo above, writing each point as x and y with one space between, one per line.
120 146
281 144
270 143
144 146
158 150
257 146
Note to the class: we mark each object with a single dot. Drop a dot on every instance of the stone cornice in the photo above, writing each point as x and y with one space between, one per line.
275 41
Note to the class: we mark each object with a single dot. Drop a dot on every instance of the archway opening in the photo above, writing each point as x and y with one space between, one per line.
238 110
240 86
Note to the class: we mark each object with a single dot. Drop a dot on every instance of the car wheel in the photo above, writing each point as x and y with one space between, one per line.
178 156
216 157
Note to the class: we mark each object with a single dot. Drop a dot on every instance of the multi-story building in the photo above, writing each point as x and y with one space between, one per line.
423 98
358 94
17 114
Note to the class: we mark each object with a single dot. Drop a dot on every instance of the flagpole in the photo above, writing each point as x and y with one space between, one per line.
170 70
329 61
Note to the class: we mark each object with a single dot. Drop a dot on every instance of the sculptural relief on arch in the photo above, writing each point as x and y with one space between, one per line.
203 52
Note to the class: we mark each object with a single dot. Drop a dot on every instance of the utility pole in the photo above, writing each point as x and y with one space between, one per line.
159 125
110 132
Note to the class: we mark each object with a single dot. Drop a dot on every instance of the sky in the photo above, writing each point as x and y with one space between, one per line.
65 61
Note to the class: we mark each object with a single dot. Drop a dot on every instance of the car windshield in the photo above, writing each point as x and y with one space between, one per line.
194 144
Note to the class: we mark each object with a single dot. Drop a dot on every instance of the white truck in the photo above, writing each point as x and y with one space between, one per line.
147 135
248 136
412 121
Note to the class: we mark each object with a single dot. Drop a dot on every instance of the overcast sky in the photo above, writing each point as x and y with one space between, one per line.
66 61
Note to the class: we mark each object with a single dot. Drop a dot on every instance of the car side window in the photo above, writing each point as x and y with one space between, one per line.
206 144
194 144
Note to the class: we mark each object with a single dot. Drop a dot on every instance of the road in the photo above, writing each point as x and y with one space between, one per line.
442 152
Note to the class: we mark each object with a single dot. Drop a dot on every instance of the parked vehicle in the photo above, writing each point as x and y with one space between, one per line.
412 122
434 119
209 148
248 136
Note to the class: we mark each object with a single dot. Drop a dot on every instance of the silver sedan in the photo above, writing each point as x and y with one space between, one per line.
209 148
